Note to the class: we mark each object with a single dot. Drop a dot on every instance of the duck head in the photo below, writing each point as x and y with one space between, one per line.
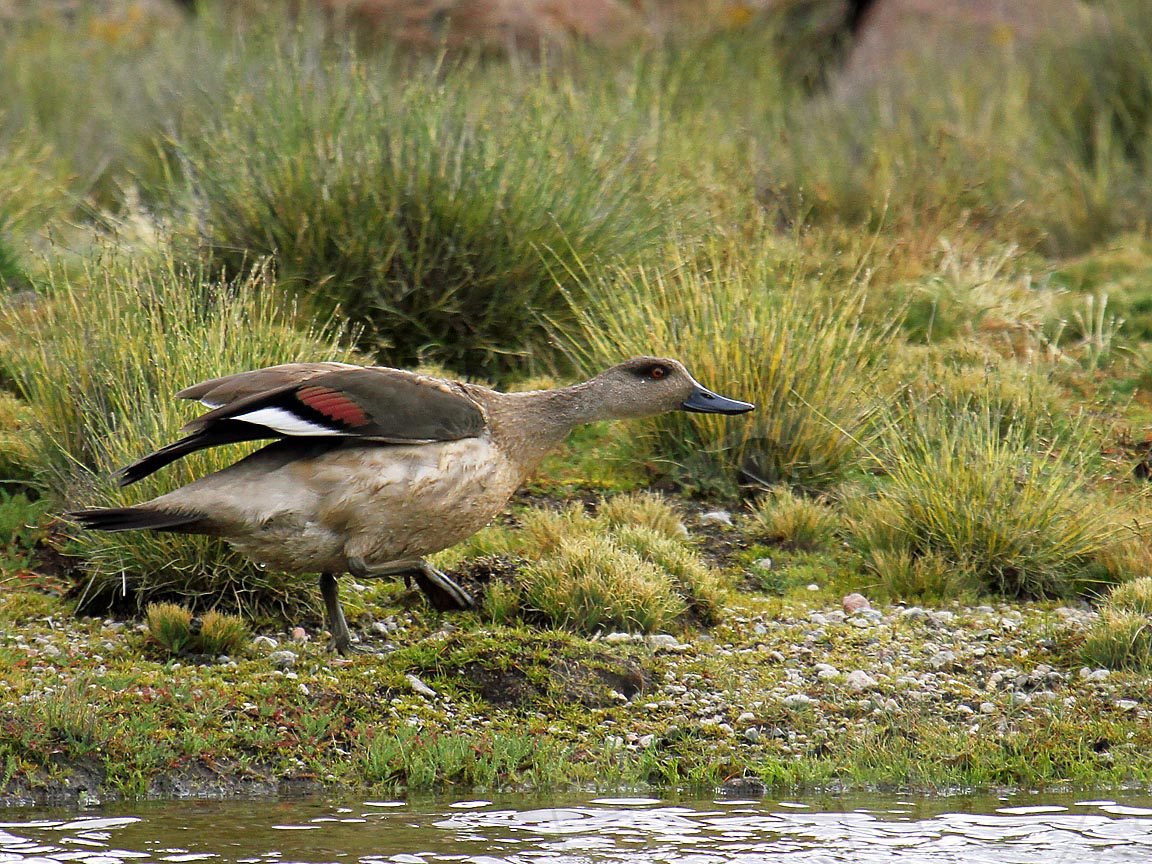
647 386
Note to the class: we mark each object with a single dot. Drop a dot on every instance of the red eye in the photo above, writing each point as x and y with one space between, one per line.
658 372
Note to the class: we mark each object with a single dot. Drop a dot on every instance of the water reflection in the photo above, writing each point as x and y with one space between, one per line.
892 830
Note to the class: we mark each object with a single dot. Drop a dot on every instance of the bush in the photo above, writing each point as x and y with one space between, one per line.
1048 144
1122 637
750 325
784 518
98 358
991 500
436 211
630 567
175 630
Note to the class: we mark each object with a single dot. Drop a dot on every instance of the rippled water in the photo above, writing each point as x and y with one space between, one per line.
1048 829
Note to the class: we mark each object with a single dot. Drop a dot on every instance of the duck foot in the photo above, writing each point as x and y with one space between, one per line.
443 594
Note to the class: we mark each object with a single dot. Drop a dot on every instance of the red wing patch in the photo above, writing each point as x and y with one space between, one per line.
332 404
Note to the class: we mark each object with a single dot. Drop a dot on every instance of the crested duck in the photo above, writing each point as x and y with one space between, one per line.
372 468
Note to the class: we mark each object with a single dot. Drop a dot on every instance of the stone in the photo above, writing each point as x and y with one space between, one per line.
663 642
264 643
798 700
299 635
717 517
942 660
419 687
282 659
853 603
859 680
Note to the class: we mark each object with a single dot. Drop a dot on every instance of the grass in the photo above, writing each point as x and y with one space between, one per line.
1122 637
921 288
989 499
176 631
1045 146
97 359
631 567
436 213
796 348
782 517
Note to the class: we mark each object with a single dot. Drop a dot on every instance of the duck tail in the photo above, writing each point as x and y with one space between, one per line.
133 518
225 432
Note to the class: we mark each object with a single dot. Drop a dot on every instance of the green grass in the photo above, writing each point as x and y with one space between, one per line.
435 212
98 359
910 284
1122 637
986 498
751 324
1046 146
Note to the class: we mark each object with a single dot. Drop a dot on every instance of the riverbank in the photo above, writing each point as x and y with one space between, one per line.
796 688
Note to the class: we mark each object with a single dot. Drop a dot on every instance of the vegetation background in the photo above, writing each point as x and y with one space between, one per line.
936 285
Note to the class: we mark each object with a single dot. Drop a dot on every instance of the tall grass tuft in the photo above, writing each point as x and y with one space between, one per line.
783 517
435 210
98 358
630 567
591 584
1044 146
1122 637
991 500
751 324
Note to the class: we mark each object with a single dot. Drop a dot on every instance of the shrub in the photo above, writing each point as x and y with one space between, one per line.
435 211
170 625
591 584
631 567
175 630
98 358
642 509
785 518
990 499
749 324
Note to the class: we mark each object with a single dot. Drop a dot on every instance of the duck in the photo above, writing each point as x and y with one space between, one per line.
371 469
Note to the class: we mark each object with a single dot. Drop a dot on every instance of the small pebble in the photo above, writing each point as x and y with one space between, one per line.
854 603
859 680
716 517
264 643
419 687
282 659
299 635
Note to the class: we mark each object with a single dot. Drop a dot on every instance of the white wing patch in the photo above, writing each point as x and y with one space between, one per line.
286 423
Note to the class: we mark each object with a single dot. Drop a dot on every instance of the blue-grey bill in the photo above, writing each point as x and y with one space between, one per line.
706 402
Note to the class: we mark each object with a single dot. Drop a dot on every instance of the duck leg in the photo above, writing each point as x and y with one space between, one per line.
444 594
337 625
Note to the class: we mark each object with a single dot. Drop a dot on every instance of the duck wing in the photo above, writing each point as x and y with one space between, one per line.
377 404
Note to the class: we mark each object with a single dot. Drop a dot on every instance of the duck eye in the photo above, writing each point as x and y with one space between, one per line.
658 372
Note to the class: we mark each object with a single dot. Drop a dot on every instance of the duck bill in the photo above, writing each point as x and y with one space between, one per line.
704 401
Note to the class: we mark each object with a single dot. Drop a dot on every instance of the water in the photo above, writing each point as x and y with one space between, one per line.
587 830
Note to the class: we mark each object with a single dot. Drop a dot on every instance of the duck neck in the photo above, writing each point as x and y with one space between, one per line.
530 425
